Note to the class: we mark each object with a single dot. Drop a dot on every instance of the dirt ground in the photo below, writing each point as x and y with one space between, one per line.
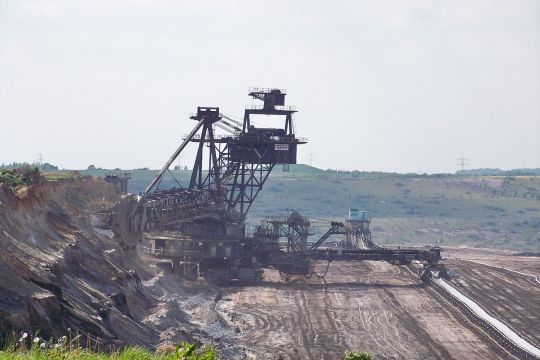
495 257
370 306
61 271
506 286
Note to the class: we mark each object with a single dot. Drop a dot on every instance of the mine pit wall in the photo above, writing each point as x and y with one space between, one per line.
55 273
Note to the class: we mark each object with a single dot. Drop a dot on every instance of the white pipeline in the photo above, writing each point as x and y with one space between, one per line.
505 330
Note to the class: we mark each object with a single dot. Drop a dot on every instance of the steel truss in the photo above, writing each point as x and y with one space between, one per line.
239 163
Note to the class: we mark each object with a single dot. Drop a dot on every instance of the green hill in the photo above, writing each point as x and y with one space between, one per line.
492 211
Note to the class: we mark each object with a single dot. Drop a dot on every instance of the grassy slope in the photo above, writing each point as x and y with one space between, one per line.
479 211
127 354
67 350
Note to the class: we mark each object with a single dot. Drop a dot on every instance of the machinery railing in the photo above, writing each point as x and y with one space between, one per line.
171 253
265 90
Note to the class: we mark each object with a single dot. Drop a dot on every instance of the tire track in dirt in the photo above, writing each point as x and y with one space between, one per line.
414 326
376 307
511 297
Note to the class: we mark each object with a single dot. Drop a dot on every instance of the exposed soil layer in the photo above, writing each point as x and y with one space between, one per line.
506 286
370 306
59 272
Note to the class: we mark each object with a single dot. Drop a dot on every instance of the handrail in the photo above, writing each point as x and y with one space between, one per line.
265 90
276 107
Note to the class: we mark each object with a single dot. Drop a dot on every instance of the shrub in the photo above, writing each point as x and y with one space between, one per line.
356 355
18 177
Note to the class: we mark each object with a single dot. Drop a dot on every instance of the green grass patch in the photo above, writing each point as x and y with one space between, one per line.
356 355
60 175
35 348
70 347
496 211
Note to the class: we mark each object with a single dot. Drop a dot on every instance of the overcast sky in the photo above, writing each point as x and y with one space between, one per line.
379 85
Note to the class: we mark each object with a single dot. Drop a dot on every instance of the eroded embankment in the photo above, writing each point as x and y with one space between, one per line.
59 272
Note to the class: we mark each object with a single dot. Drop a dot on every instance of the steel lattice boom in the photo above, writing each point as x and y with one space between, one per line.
200 225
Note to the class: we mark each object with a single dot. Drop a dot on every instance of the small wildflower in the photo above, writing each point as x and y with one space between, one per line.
43 345
24 335
37 339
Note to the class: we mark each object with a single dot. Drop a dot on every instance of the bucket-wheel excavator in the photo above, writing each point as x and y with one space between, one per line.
198 226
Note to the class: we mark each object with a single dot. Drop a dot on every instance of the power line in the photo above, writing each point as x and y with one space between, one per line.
40 159
462 162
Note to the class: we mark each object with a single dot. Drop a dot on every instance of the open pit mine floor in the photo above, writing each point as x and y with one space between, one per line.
507 287
370 306
60 271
